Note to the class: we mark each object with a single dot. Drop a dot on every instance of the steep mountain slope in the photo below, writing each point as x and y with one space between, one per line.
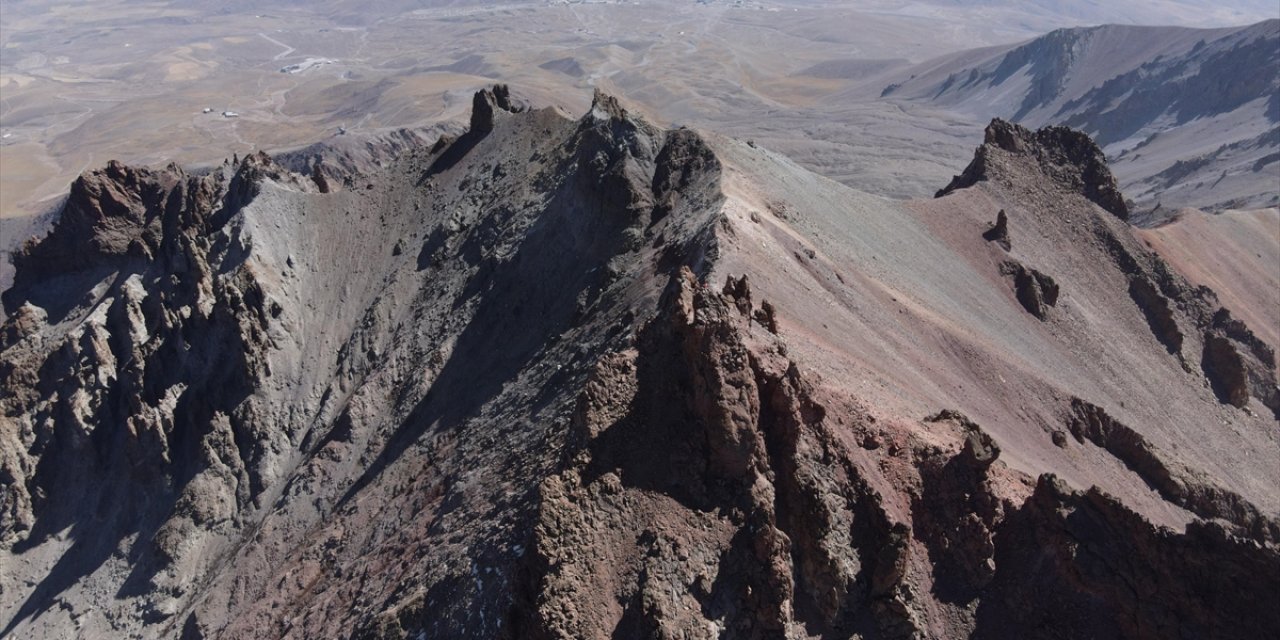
1235 253
593 378
1189 116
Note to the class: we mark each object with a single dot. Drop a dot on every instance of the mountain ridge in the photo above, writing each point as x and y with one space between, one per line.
1181 112
491 387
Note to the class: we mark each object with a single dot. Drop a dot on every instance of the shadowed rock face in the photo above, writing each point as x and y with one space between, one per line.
705 422
490 385
1118 576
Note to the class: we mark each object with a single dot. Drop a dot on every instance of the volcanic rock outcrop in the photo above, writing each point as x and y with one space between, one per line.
999 232
1036 291
1065 156
552 377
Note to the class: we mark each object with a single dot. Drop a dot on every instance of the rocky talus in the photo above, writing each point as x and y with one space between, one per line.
555 377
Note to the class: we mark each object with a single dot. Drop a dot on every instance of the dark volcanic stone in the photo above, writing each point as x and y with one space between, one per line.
1034 290
999 232
487 102
1225 370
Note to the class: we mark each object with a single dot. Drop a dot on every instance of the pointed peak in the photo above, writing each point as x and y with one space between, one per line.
256 159
606 107
488 102
1066 156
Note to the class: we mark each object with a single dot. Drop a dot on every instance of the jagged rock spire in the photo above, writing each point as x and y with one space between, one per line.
487 102
1068 157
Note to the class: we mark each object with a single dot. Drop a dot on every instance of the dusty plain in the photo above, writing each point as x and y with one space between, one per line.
82 84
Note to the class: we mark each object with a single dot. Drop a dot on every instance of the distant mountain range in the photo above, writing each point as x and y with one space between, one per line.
1186 13
1187 116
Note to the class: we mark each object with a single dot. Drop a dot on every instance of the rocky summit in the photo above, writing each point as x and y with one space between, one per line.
558 377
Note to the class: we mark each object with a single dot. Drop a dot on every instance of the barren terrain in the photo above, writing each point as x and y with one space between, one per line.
568 377
724 320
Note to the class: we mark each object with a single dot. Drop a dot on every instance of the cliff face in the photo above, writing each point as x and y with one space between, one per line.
161 334
136 364
593 378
